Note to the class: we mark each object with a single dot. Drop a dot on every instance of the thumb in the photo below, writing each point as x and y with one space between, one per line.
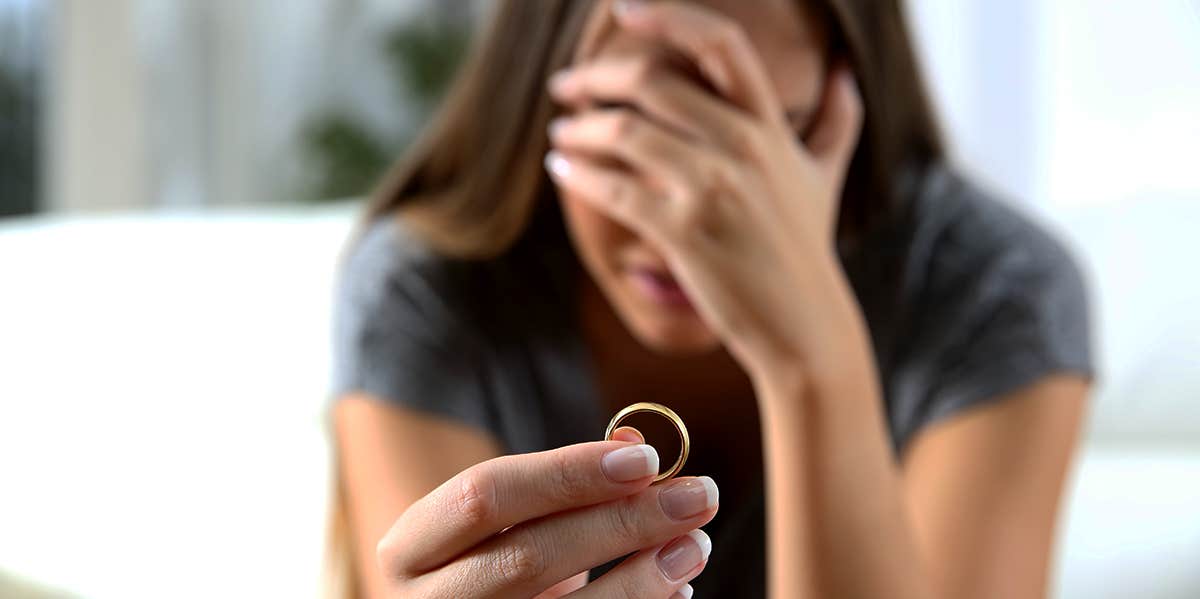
835 137
628 433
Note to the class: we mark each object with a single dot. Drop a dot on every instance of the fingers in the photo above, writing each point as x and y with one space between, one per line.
838 125
656 573
530 557
715 43
659 155
660 93
690 209
684 592
565 587
494 495
619 194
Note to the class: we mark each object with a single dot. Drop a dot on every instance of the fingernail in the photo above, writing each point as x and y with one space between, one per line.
630 463
683 554
686 498
684 592
624 8
556 126
557 164
559 82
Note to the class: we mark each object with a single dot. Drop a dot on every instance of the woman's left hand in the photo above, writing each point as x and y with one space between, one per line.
743 212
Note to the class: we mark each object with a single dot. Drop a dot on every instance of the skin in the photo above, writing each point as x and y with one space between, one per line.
725 180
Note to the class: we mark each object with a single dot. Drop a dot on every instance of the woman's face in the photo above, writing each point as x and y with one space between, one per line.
630 272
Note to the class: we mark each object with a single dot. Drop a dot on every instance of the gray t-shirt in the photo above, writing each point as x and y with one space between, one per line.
966 300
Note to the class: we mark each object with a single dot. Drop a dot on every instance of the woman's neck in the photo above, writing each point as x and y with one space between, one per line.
622 364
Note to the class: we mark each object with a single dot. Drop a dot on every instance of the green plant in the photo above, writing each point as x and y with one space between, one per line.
423 55
20 183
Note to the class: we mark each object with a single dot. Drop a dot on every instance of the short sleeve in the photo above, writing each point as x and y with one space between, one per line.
395 337
1027 317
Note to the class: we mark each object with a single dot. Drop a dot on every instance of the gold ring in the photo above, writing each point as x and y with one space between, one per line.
665 412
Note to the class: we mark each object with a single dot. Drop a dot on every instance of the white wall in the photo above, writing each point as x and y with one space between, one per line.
1124 89
97 151
1069 102
981 61
201 102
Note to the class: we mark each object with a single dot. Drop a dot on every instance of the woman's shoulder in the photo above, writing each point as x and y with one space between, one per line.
962 236
389 275
993 300
385 249
984 299
479 341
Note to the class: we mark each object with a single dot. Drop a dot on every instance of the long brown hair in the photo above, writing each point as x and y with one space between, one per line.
473 182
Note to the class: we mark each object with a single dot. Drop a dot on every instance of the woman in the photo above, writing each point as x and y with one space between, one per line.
746 215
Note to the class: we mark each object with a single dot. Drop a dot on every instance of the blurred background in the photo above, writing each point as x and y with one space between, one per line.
177 178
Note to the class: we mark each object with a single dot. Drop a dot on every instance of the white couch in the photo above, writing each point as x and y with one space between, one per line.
161 394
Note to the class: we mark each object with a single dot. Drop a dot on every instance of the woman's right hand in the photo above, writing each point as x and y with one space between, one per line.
516 526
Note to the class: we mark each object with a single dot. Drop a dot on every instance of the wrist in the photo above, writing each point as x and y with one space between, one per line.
839 370
824 335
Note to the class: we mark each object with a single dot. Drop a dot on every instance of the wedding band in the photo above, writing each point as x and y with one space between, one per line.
665 412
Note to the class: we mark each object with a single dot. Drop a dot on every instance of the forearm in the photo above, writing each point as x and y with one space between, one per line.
791 565
837 521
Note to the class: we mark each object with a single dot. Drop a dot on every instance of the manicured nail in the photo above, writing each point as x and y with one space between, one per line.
686 498
684 554
625 8
559 82
684 592
557 164
556 126
630 463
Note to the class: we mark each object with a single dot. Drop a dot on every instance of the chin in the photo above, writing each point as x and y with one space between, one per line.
672 334
678 345
667 326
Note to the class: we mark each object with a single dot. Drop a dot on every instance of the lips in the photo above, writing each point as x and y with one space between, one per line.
660 287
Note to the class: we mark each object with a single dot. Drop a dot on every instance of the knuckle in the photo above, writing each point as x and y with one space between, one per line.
630 587
621 195
392 555
390 560
474 497
625 523
519 561
728 36
624 125
708 184
570 480
716 42
712 182
746 141
692 223
387 555
686 222
641 72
